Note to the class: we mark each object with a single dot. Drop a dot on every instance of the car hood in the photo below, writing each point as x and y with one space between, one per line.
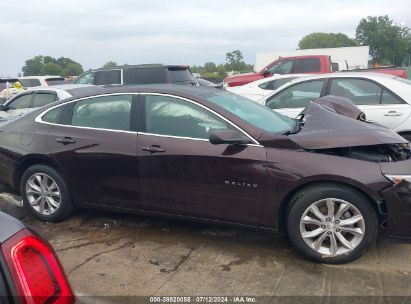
327 127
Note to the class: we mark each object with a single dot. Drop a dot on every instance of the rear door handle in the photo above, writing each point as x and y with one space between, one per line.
65 140
153 149
393 113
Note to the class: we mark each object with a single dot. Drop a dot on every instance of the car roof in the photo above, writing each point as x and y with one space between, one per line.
72 89
41 77
197 91
278 76
142 66
369 75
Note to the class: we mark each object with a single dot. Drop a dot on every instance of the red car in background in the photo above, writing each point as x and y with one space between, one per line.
313 64
285 65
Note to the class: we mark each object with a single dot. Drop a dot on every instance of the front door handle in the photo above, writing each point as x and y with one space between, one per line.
393 113
65 140
153 149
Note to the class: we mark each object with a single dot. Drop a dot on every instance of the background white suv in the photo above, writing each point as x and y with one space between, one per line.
41 81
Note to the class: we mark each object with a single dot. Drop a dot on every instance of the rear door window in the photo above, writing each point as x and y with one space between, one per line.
30 82
21 102
107 77
359 91
145 75
42 99
297 96
307 65
106 112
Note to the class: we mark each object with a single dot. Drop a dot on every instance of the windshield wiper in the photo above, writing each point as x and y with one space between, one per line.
299 124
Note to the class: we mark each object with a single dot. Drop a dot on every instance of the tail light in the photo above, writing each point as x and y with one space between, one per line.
36 271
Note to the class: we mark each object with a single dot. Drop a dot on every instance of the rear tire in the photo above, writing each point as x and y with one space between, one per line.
45 194
331 223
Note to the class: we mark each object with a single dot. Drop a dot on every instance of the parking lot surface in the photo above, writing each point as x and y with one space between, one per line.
108 254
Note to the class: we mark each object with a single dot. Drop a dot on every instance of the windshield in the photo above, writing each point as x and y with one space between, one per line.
253 113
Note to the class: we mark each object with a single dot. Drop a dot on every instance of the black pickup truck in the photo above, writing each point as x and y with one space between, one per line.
30 271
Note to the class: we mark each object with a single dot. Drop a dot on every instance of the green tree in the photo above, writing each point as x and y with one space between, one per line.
210 67
389 43
49 59
221 71
33 66
109 64
47 65
64 62
325 40
73 69
51 68
234 61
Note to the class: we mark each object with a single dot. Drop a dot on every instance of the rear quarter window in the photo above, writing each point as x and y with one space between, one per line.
56 81
180 75
145 75
53 115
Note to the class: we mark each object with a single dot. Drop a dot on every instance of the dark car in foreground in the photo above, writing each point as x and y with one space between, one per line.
30 271
328 179
138 74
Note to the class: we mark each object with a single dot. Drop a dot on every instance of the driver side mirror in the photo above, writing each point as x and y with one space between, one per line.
266 73
227 136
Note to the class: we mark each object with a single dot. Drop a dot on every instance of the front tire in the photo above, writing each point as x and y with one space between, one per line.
45 194
331 223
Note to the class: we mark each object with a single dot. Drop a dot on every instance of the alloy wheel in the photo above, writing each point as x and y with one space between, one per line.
43 193
332 227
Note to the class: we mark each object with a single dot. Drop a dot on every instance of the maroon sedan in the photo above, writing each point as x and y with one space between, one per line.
328 179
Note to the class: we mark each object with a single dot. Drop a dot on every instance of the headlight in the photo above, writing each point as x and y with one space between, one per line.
396 179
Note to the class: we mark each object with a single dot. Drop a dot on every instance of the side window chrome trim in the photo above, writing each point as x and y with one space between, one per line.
207 109
90 128
38 118
187 138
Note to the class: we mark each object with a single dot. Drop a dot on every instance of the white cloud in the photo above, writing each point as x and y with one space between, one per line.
179 31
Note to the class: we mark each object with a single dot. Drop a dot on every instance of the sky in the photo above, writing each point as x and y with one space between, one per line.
192 32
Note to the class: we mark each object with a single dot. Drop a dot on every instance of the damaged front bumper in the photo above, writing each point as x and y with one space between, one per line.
398 198
398 203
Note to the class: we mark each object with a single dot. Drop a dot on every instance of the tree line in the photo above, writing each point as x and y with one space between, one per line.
390 44
47 65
